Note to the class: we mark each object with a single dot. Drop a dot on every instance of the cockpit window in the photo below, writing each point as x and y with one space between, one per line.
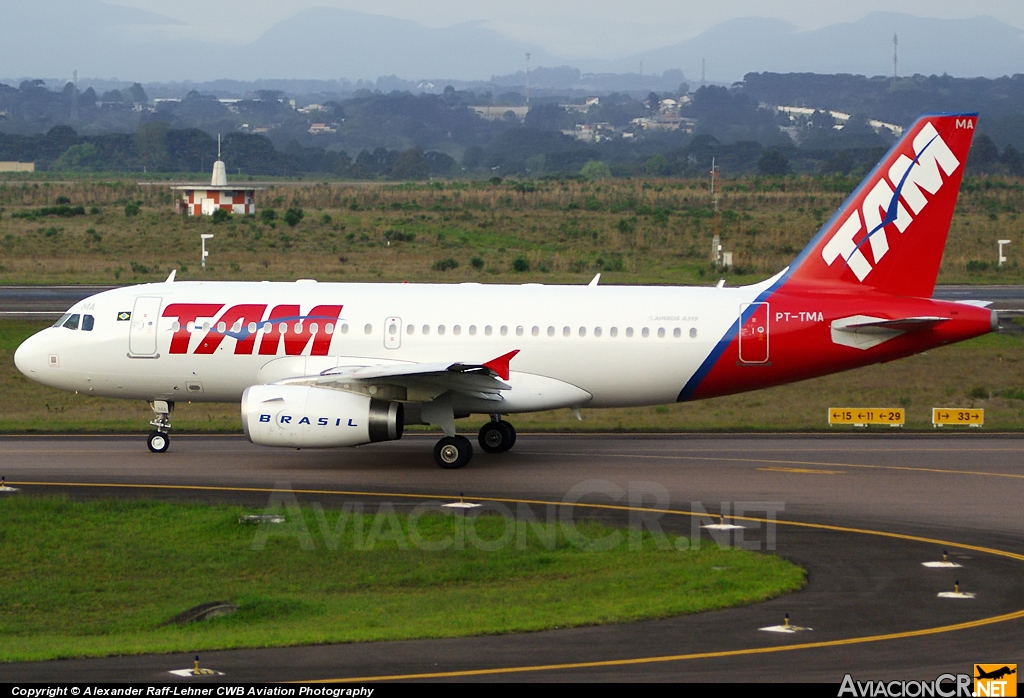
72 322
63 319
87 322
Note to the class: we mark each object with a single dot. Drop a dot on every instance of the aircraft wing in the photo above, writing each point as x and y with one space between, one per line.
420 381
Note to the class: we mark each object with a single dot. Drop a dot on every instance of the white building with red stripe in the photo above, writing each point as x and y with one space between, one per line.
204 199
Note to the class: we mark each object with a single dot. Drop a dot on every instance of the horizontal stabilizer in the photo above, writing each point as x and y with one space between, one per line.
864 331
907 324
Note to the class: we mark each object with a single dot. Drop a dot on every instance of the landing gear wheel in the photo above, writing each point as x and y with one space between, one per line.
512 430
453 452
158 441
496 437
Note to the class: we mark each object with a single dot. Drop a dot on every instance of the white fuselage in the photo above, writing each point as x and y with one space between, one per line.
598 346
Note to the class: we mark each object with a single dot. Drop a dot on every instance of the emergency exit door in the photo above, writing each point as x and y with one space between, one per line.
142 333
754 332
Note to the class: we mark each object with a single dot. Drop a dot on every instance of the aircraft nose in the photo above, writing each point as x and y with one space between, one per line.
30 357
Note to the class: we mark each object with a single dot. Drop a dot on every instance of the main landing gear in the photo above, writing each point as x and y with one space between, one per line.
497 436
160 439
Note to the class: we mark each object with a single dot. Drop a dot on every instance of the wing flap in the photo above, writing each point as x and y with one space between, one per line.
420 381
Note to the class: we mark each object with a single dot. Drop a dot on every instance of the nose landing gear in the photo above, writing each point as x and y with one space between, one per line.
160 439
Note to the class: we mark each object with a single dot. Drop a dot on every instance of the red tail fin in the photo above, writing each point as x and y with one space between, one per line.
890 233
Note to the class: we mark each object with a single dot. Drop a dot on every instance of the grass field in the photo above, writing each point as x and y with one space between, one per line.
632 231
102 578
985 372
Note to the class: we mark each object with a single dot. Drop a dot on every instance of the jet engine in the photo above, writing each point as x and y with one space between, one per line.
302 416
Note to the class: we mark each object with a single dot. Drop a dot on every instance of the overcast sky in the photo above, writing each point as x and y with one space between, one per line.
568 28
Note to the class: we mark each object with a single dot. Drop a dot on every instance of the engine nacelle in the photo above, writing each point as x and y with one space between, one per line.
302 416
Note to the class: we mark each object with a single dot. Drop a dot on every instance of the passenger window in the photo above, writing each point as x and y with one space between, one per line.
645 332
472 330
410 329
440 329
87 323
426 329
344 329
504 330
457 330
221 327
313 328
566 331
677 333
368 329
661 333
551 331
614 332
392 328
693 333
629 331
487 330
535 331
583 332
597 331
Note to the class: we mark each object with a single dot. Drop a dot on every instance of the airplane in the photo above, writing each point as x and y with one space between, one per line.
995 674
323 365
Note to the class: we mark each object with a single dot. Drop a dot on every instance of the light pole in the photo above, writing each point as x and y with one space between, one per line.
1001 257
205 237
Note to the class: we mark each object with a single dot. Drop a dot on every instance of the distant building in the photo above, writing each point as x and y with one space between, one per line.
499 112
17 167
203 199
319 128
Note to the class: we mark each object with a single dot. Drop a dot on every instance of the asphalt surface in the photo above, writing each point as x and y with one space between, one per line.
873 607
51 301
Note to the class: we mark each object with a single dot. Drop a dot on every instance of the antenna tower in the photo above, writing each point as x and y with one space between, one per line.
716 242
895 59
527 78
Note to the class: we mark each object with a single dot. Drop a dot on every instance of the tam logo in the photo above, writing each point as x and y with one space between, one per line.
881 207
284 324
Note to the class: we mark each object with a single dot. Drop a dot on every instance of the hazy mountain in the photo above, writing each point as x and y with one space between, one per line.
332 43
981 46
51 38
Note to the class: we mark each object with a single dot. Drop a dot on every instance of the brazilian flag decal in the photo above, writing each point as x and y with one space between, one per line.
123 316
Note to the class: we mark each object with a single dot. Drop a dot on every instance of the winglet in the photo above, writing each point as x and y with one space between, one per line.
500 364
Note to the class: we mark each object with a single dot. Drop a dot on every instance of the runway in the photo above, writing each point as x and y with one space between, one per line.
860 513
